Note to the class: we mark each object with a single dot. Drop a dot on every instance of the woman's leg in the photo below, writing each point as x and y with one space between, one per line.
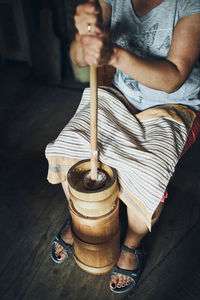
67 234
136 231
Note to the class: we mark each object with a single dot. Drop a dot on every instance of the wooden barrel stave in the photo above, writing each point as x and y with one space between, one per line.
95 208
97 259
98 229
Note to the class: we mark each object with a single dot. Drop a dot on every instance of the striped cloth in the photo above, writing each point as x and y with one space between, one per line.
143 147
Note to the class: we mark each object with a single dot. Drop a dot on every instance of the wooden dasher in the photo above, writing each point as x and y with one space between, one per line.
94 204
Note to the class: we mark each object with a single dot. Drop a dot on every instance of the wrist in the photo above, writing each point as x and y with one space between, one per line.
115 56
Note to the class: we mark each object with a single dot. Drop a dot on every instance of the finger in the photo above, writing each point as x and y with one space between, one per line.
89 8
88 41
93 49
83 20
87 14
91 56
88 27
91 41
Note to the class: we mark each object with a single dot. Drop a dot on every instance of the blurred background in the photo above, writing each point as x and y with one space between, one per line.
39 33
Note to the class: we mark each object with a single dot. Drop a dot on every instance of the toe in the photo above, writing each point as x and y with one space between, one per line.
58 248
120 282
124 280
128 281
59 251
61 255
114 281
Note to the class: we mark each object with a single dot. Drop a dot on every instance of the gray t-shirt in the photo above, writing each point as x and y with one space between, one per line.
151 36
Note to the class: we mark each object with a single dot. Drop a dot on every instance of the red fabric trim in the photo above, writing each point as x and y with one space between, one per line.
164 196
192 136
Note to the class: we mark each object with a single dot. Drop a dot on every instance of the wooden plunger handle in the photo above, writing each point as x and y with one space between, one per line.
93 122
93 119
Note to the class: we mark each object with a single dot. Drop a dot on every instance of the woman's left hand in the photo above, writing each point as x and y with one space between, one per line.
97 49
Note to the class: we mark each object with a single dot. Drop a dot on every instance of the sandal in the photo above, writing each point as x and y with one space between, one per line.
67 247
132 274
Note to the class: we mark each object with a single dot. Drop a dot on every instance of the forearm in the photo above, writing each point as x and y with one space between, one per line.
156 74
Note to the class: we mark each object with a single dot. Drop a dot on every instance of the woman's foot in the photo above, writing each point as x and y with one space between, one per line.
67 237
61 247
127 271
127 261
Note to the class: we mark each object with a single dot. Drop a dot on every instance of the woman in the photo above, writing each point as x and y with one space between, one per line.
155 47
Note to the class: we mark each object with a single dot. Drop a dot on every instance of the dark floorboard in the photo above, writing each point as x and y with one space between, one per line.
32 210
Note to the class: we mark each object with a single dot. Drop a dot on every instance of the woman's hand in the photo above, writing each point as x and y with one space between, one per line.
95 42
88 19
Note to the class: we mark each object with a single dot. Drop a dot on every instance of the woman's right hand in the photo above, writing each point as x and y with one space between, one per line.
94 41
88 19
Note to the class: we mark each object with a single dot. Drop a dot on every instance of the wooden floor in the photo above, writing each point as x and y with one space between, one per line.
32 210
